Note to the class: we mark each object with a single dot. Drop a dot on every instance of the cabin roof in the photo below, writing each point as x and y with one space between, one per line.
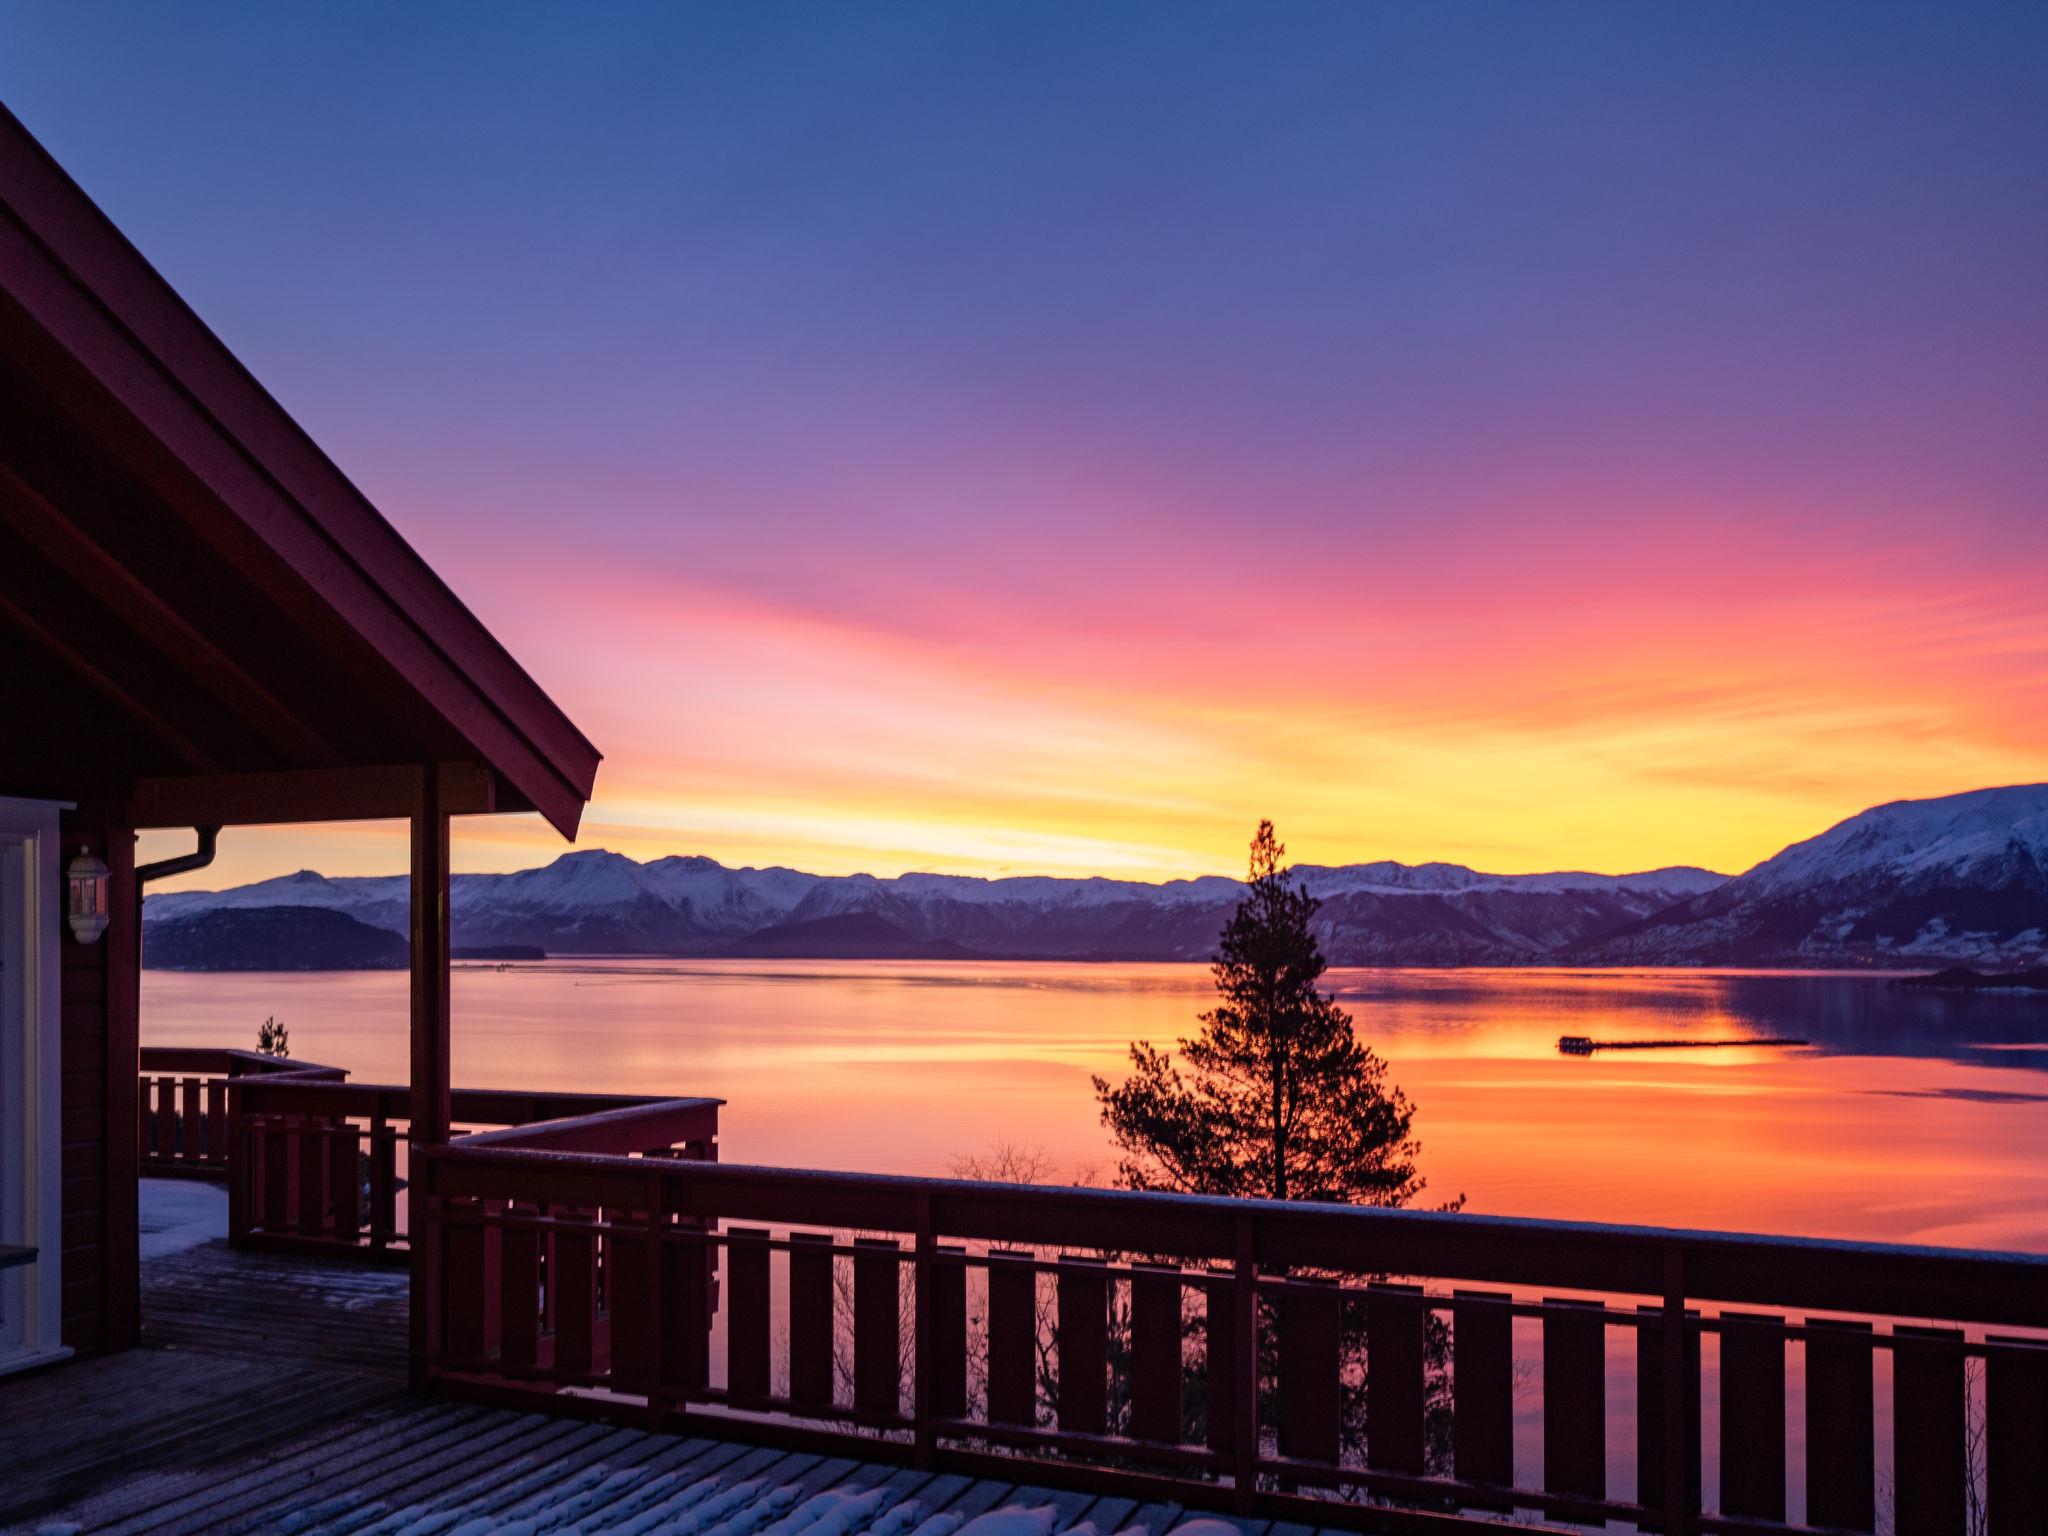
202 594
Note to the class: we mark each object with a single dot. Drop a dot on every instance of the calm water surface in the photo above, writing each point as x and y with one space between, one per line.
1909 1117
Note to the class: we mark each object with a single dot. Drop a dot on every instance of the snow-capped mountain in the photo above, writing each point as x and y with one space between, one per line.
588 902
1963 878
598 902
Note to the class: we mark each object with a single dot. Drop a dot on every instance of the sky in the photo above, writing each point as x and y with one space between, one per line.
1047 438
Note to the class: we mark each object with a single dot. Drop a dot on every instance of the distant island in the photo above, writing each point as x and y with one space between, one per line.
1961 880
281 938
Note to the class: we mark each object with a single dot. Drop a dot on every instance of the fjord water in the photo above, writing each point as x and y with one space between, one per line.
1909 1116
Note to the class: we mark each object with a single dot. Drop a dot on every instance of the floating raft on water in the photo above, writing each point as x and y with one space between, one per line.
1586 1045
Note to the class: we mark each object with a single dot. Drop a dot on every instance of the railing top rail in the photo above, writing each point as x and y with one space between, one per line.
1964 1285
577 1103
310 1093
611 1130
228 1061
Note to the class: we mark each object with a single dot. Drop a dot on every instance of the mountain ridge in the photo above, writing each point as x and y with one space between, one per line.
1956 879
596 901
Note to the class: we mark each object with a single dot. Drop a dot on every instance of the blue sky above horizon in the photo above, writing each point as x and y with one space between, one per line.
1047 438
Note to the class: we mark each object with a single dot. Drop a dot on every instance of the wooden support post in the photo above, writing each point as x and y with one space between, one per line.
1841 1458
123 977
1396 1322
430 1091
948 1339
1574 1399
1753 1415
810 1319
922 1351
653 1339
1678 1413
1483 1387
1012 1337
1930 1464
383 1182
192 1114
1653 1404
1083 1293
1244 1308
1311 1402
1156 1353
877 1328
241 1156
749 1317
216 1121
1219 1305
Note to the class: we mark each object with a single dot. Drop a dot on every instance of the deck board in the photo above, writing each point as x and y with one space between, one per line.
241 1353
270 1395
335 1451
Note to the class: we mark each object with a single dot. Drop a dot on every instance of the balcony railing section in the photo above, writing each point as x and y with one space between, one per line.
1318 1363
317 1164
1332 1365
183 1099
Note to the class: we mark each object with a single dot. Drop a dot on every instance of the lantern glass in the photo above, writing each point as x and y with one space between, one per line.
87 878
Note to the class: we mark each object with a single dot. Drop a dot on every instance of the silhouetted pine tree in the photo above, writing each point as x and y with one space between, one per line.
1278 1100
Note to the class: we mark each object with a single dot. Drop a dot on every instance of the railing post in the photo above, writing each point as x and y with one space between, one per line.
238 1153
1678 1424
921 1334
216 1121
190 1117
657 1405
1244 1298
383 1173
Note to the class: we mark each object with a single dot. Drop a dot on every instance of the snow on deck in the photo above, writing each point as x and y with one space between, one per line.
176 1214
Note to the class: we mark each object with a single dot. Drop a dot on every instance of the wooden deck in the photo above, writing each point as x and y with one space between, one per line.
269 1396
240 1352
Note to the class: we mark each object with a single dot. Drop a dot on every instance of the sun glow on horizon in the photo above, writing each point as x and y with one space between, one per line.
839 746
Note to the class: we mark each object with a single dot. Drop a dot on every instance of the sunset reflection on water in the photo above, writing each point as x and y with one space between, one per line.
1909 1116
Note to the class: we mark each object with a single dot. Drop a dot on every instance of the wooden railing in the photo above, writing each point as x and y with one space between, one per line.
326 1162
1321 1363
317 1164
183 1101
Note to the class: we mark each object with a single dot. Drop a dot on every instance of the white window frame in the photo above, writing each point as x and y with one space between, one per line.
31 1084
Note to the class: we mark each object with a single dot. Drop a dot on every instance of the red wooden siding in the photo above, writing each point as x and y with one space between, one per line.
98 1001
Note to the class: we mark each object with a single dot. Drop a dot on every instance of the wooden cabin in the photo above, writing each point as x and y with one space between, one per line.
203 623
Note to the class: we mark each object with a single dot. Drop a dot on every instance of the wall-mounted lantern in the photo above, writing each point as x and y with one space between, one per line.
88 880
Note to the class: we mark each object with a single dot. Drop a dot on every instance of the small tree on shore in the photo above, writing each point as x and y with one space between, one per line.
273 1039
1275 1098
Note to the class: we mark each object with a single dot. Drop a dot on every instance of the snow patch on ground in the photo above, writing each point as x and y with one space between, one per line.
176 1214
